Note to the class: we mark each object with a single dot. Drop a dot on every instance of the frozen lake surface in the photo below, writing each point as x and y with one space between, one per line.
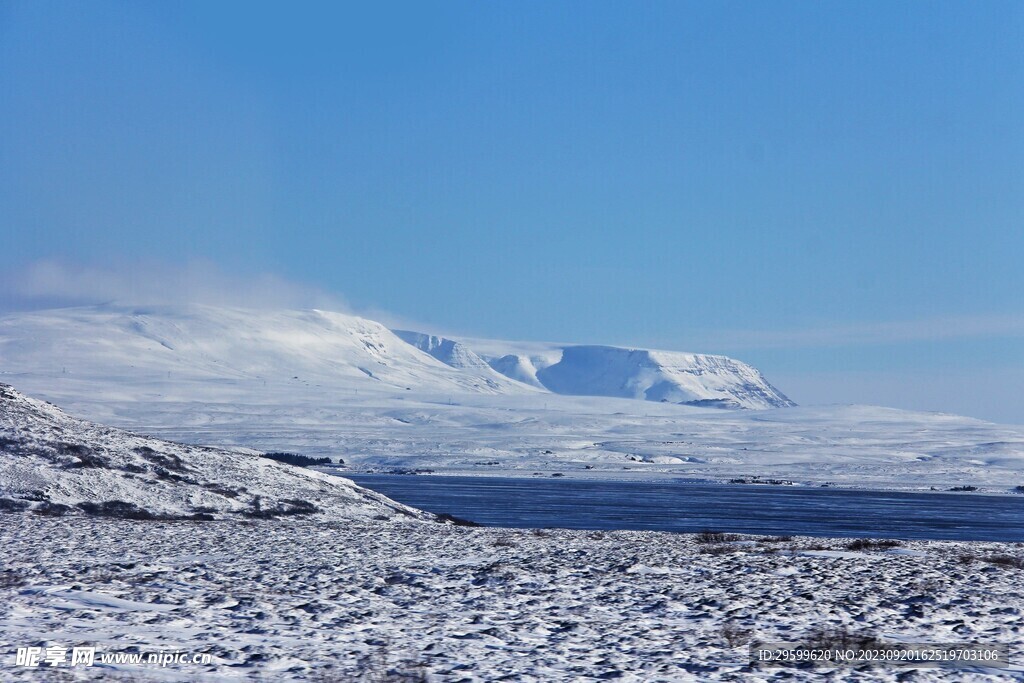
691 507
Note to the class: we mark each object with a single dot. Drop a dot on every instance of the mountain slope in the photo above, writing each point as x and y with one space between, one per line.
57 464
226 349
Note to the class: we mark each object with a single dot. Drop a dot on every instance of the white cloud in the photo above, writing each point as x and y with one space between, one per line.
45 284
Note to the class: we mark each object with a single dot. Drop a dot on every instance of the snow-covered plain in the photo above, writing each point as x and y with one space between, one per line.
327 384
287 600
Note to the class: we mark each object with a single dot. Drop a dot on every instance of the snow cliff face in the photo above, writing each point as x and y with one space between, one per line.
448 351
518 368
694 379
55 464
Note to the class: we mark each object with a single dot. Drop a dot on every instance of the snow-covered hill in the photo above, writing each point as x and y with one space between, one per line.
223 347
56 465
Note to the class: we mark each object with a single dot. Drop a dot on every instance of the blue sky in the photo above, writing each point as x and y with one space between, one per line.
831 191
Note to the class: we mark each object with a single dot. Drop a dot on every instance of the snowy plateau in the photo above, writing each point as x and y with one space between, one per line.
117 537
333 385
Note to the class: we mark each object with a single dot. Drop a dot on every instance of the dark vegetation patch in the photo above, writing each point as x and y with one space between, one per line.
775 539
78 450
168 461
201 517
12 505
964 488
718 549
222 490
446 518
12 446
166 475
287 507
11 578
117 509
709 536
85 456
297 459
48 509
1005 560
758 480
25 447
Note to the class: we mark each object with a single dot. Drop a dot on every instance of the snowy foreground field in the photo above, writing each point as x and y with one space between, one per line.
411 601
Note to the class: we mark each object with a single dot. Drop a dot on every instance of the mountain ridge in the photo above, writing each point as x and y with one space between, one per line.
220 348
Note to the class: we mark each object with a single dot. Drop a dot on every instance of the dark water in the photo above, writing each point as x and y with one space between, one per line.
689 507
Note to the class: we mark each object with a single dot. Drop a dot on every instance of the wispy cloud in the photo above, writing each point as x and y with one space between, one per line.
873 333
49 283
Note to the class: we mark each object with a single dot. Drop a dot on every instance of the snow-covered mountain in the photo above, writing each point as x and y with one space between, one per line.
56 464
584 370
201 351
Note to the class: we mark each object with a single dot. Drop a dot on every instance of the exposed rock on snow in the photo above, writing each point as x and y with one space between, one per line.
55 464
